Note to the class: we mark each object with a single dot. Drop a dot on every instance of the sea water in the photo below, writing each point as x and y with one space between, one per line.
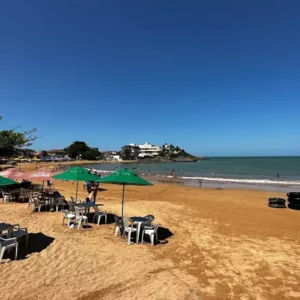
252 171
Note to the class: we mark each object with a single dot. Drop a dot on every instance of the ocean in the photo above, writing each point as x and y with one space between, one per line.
221 171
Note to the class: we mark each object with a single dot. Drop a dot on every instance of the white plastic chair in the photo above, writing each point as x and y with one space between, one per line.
70 216
150 219
13 195
7 197
128 228
80 217
7 244
23 195
152 232
15 231
39 204
60 201
99 214
30 201
75 201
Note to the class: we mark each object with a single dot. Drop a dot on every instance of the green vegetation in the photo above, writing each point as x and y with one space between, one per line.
11 140
128 154
82 150
44 153
173 152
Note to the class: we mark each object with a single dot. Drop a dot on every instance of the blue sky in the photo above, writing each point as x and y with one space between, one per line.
215 77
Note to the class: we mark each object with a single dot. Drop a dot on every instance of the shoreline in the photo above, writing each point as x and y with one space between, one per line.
212 183
207 182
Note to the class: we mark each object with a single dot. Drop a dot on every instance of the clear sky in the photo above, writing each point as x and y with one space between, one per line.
214 77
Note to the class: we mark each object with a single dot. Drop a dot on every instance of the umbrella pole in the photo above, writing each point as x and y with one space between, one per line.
43 186
123 201
76 190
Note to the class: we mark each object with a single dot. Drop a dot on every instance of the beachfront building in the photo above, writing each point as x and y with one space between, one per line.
28 153
148 150
130 152
57 154
112 155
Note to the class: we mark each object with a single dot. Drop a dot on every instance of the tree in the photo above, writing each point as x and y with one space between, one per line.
44 153
11 140
77 148
91 154
126 154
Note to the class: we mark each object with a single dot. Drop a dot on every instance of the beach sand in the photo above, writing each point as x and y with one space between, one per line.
46 165
226 244
37 165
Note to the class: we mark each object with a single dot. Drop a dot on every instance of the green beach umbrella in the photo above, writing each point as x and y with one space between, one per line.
77 174
124 177
6 181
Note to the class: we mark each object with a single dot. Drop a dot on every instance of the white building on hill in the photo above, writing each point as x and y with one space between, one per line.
148 150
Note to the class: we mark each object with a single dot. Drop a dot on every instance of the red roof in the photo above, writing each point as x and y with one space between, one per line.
56 151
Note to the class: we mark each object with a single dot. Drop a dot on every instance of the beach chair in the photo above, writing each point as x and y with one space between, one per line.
13 195
80 218
30 201
4 229
70 216
38 204
118 226
8 244
7 197
152 232
75 201
60 202
128 228
99 214
150 219
15 231
22 195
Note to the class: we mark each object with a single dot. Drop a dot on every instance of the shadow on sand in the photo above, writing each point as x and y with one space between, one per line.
37 242
163 233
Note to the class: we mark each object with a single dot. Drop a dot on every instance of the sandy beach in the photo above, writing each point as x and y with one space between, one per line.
226 244
38 165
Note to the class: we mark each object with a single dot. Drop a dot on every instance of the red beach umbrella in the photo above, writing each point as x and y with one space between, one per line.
13 173
40 175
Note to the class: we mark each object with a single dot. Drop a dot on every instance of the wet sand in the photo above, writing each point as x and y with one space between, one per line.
226 244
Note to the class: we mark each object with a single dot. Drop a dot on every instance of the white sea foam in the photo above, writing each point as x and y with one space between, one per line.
99 171
245 181
248 181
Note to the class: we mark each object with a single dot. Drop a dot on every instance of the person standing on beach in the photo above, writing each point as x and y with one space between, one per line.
84 185
94 192
200 183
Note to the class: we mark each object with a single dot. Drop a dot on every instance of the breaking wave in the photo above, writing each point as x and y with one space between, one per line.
245 181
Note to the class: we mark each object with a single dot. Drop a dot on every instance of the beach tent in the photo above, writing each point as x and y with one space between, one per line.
124 177
76 174
6 181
